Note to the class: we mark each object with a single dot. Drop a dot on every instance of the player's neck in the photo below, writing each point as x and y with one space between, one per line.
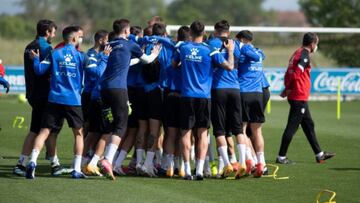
122 35
198 39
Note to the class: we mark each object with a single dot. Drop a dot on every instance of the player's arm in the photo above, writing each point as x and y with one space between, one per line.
146 59
5 83
226 64
40 67
175 61
95 67
250 52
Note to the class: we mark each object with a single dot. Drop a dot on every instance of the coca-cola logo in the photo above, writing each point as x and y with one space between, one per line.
350 82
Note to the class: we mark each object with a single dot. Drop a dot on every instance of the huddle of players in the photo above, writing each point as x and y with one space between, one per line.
183 85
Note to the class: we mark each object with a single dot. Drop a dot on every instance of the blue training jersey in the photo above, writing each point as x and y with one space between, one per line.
115 75
66 65
164 59
197 60
224 78
174 73
251 69
45 48
97 60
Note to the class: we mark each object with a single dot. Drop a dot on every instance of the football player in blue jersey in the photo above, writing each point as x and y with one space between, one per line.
197 61
66 65
251 88
114 86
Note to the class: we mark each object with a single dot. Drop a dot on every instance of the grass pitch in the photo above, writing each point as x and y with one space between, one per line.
306 178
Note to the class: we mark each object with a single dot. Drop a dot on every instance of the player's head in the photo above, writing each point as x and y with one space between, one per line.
245 36
70 35
101 37
159 29
148 31
197 29
111 36
222 28
136 30
46 28
80 33
183 34
155 19
121 26
311 41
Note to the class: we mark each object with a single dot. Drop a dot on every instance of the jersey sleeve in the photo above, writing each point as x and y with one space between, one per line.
176 56
136 51
217 57
304 60
237 52
250 52
40 68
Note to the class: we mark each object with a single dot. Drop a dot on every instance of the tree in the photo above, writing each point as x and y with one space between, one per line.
336 13
245 12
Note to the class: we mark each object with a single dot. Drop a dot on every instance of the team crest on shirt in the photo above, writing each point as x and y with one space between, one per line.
67 62
193 56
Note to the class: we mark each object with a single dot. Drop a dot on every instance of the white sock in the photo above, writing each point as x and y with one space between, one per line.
149 158
242 153
139 156
221 164
233 158
23 159
187 168
115 157
170 161
260 157
192 153
164 160
158 155
34 155
207 164
182 165
95 159
281 158
111 152
77 163
200 167
319 154
176 162
120 158
54 160
224 154
249 154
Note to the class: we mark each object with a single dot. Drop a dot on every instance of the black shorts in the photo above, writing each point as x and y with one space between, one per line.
172 109
141 104
195 113
253 107
226 111
117 100
37 113
266 97
85 104
56 113
155 104
98 122
133 117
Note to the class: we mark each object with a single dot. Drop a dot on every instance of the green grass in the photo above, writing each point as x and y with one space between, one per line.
306 178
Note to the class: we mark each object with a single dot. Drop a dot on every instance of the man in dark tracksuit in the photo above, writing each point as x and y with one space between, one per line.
297 90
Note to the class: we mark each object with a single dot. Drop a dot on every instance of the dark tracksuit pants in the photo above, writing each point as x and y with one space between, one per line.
299 114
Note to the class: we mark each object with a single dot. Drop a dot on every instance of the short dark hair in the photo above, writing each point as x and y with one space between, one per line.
309 38
100 34
43 26
120 25
69 31
245 34
148 31
111 36
158 29
197 28
183 33
135 30
222 26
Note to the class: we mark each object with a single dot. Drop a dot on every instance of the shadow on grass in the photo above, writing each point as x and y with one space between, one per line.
345 169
